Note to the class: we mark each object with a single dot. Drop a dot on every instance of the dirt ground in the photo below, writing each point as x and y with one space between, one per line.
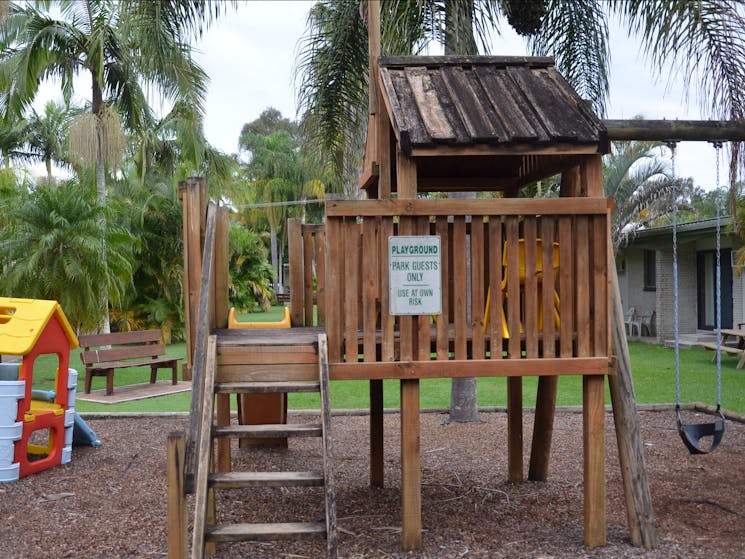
110 501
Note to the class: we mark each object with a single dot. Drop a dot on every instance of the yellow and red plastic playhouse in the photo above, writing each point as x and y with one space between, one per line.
30 328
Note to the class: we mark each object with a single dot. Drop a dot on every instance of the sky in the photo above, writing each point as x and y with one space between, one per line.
249 55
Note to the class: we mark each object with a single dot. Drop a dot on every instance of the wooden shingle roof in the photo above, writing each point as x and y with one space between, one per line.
489 101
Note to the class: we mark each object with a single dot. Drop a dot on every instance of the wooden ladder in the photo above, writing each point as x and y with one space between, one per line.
206 531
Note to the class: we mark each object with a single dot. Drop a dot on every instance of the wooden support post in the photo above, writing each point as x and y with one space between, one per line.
515 428
295 254
377 464
178 527
193 227
222 402
639 510
411 476
221 281
545 406
594 458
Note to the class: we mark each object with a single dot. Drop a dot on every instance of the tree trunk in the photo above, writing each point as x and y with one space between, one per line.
97 105
48 163
459 39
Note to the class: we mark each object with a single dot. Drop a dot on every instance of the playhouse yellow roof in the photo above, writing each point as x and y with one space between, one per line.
23 320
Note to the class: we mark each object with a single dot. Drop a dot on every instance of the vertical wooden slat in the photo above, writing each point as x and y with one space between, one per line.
321 276
496 310
178 526
443 343
221 269
530 289
424 332
386 320
600 290
477 287
566 286
377 448
583 286
351 289
548 286
513 287
594 459
295 254
370 276
411 476
334 285
307 277
406 323
460 287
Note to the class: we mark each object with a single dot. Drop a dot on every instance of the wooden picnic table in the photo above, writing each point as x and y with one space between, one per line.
728 333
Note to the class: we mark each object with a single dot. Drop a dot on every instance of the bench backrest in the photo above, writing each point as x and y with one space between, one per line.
130 345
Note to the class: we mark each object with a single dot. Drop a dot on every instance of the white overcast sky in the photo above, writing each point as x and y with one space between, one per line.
249 56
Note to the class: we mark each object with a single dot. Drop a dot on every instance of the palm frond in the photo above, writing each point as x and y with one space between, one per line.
575 32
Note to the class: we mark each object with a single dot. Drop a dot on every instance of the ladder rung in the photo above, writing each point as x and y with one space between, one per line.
237 480
269 430
265 532
268 387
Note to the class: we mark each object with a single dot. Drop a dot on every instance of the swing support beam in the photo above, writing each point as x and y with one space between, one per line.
676 130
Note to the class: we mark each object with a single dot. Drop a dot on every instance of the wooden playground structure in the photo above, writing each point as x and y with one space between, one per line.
527 287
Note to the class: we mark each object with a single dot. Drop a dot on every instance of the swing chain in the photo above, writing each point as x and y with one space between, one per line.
718 149
676 334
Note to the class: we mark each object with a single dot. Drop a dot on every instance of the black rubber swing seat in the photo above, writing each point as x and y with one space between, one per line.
692 433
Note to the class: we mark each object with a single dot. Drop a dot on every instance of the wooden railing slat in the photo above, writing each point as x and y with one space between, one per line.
477 287
530 290
459 287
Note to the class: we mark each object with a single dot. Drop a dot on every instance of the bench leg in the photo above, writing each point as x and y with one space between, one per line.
88 382
109 382
174 373
153 373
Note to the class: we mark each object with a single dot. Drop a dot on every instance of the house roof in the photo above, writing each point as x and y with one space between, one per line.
704 226
23 320
439 101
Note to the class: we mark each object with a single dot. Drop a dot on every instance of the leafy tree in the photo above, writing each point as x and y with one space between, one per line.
45 135
278 174
250 271
53 248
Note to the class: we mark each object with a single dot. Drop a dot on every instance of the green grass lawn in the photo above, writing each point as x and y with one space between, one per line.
653 372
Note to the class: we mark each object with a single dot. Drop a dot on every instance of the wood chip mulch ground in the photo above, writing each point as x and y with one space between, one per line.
110 501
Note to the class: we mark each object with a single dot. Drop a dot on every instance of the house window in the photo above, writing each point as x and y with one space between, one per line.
650 270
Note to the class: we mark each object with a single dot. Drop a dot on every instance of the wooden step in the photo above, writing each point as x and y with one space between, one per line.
265 532
237 480
271 430
268 387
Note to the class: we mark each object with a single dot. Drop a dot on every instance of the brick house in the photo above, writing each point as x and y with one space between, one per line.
645 277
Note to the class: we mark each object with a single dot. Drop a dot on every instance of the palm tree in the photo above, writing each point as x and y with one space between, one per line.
52 247
704 42
126 47
46 133
120 45
640 183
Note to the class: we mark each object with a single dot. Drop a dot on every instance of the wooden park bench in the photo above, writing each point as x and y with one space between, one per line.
104 353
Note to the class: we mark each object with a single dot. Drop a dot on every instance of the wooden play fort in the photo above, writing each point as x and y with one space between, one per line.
495 286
